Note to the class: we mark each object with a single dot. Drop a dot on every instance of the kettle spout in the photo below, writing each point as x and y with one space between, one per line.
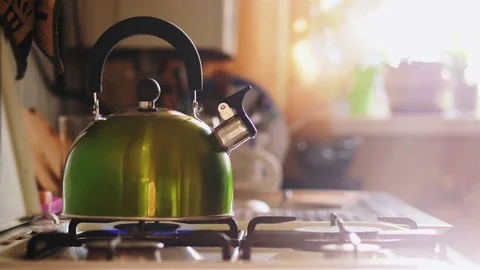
237 127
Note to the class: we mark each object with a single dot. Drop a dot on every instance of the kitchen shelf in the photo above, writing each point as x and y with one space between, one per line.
419 125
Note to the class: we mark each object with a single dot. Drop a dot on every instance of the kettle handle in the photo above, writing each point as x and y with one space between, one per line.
145 26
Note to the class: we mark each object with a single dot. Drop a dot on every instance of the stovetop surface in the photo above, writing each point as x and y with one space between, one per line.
337 239
263 252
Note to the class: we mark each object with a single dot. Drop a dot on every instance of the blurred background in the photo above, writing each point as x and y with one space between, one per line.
348 94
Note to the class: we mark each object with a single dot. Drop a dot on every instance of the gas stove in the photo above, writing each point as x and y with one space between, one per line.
338 240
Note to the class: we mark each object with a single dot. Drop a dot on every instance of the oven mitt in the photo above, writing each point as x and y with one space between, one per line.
32 21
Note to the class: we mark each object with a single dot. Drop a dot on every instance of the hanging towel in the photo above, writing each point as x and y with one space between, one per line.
28 22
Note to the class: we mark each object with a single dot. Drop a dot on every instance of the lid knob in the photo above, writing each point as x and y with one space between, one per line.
148 91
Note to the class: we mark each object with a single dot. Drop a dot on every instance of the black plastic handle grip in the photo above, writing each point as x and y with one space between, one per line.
145 26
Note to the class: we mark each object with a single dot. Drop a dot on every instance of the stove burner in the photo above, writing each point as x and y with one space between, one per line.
336 229
120 248
349 243
180 254
131 249
339 250
119 243
350 250
147 228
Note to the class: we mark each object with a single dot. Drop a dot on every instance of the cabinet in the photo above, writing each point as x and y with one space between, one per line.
211 24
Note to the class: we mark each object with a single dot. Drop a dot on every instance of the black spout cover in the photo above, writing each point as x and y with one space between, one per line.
235 102
145 26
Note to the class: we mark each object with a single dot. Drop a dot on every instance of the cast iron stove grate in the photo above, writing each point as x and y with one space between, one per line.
337 238
166 234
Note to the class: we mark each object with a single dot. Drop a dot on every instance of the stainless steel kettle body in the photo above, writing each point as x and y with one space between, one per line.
150 163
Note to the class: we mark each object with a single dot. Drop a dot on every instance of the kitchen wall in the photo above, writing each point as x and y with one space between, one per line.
263 46
16 171
33 91
264 55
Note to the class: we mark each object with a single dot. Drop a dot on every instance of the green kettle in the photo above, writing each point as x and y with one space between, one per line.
148 163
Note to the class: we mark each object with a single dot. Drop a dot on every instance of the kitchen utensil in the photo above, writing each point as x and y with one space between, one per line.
50 204
324 164
46 150
153 163
256 169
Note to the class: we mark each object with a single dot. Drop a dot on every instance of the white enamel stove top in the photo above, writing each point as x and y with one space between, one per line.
12 255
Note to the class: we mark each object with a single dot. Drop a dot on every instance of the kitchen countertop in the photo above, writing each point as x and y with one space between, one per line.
385 124
331 198
407 125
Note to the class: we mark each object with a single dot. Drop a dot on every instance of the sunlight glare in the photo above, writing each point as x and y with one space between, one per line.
304 60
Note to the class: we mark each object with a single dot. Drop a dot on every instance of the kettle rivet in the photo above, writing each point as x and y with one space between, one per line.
222 106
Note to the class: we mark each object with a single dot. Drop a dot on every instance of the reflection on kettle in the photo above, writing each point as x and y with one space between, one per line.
148 162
